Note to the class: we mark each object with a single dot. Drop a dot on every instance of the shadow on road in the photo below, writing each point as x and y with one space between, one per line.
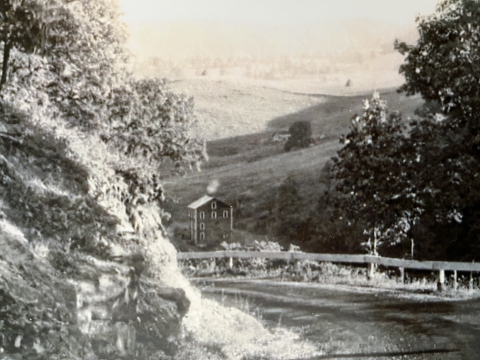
385 354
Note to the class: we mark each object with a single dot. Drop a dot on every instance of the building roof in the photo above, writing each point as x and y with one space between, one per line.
205 199
202 201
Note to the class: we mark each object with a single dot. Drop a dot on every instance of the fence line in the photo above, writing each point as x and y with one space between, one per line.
339 258
440 266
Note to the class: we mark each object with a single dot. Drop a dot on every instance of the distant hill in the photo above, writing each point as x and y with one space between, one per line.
183 39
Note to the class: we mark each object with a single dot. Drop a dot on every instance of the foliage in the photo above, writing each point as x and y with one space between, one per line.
443 65
329 230
148 121
78 72
368 173
82 46
443 68
300 135
286 223
420 183
21 27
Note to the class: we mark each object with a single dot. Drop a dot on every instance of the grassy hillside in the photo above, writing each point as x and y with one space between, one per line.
229 107
246 170
332 116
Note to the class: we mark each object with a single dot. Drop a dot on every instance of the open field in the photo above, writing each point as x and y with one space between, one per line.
228 107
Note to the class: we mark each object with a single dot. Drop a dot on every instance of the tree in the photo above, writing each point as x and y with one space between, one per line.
149 121
287 211
443 67
20 27
78 71
329 228
78 47
369 177
300 135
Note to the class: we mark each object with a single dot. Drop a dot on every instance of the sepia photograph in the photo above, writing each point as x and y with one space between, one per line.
239 179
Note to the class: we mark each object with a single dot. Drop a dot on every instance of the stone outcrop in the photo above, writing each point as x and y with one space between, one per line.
108 310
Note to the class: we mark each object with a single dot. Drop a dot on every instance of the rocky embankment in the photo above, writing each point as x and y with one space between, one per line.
74 279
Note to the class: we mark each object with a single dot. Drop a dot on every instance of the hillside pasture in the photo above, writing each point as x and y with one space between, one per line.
250 184
241 107
231 108
331 117
249 168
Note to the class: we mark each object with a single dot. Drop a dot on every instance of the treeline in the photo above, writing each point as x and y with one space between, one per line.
264 67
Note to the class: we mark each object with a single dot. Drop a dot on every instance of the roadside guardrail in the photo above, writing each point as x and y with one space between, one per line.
439 266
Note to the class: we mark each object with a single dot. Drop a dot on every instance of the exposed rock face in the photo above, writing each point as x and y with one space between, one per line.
38 314
109 310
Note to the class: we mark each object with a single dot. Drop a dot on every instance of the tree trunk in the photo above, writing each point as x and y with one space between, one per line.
375 253
6 56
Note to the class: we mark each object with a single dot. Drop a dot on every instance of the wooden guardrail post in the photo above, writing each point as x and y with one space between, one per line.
230 262
401 278
441 280
370 270
470 281
455 283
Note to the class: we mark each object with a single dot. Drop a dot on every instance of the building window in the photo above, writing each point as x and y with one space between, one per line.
202 215
225 214
202 226
202 236
214 205
214 214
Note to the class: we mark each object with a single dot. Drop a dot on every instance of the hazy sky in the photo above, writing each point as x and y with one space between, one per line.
273 12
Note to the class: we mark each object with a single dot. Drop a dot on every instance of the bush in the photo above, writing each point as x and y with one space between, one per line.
300 135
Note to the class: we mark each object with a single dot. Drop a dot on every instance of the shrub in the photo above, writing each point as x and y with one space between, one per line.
300 135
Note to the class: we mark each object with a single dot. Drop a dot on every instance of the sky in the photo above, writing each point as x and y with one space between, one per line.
274 12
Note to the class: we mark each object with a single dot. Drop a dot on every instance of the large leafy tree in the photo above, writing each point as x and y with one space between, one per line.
443 66
369 176
73 52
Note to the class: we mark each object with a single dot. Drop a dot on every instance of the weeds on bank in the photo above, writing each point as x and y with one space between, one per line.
308 271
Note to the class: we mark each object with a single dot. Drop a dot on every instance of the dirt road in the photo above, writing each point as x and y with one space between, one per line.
365 323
